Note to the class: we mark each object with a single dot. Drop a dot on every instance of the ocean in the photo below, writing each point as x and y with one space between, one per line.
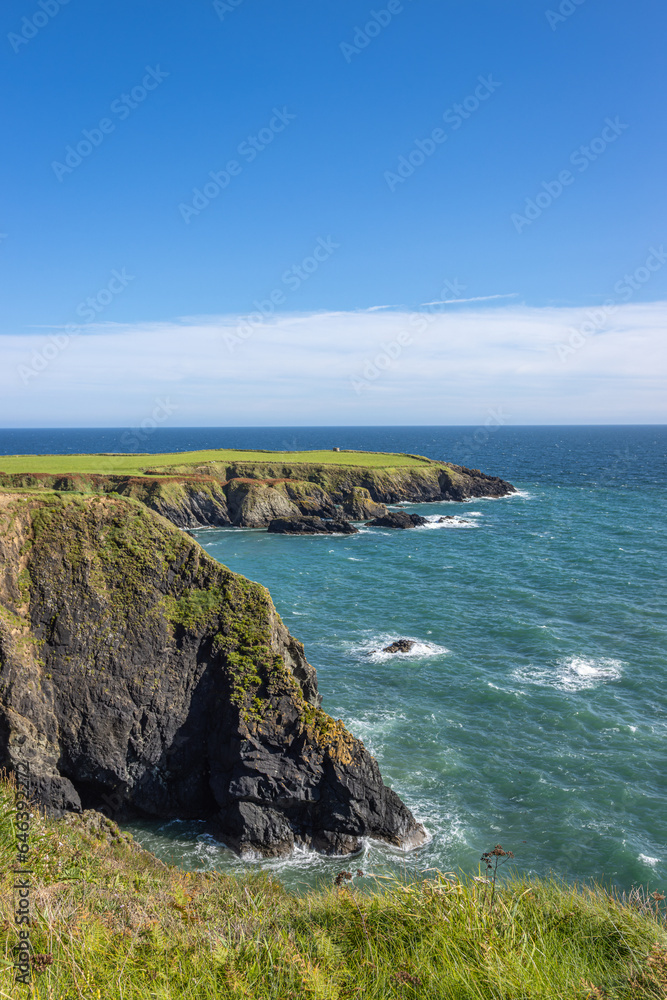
532 710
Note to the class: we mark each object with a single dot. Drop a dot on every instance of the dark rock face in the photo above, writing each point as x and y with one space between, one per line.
397 519
140 677
310 526
399 646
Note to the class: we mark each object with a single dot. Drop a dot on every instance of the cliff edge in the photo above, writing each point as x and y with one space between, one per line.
140 677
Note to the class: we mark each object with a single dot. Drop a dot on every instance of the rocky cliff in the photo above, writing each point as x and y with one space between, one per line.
140 677
252 494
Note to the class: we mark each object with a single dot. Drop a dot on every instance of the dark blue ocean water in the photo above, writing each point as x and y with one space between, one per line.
534 710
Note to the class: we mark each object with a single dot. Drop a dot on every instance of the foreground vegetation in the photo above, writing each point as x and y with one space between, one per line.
133 464
111 921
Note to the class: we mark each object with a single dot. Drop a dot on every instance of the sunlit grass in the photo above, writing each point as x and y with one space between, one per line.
135 464
117 923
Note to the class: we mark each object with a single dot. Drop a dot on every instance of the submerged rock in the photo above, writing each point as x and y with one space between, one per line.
399 646
139 677
310 526
397 519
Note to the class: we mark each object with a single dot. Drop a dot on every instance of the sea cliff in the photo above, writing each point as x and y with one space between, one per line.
140 677
210 491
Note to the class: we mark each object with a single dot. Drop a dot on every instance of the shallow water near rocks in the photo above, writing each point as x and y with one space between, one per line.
532 711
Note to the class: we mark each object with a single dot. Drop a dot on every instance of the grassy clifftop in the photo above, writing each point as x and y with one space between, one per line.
104 464
110 920
206 487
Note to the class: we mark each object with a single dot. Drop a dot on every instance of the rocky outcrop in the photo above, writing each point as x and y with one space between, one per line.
358 505
254 505
310 526
399 646
423 480
397 519
140 677
189 503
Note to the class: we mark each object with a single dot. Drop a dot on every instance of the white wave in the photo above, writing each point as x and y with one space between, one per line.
577 673
434 521
507 496
517 493
649 860
299 857
373 648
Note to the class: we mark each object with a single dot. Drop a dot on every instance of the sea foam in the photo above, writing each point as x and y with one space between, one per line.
456 522
373 649
576 673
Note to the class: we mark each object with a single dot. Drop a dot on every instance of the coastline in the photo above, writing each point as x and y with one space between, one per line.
210 490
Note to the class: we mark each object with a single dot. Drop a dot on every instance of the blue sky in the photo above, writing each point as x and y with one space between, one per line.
389 155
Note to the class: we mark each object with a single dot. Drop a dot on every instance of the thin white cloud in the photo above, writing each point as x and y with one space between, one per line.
477 298
439 366
371 309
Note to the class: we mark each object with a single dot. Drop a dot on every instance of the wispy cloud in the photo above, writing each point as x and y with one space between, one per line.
476 298
298 369
371 309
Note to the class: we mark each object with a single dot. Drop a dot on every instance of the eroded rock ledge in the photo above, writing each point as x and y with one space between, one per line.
140 677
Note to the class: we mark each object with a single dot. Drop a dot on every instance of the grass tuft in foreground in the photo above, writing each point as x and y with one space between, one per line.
111 921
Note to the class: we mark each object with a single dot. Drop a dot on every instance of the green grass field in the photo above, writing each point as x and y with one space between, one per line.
135 464
111 922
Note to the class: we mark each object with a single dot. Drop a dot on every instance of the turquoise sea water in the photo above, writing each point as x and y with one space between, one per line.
533 710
